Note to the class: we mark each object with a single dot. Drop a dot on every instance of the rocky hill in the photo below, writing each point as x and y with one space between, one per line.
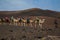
31 12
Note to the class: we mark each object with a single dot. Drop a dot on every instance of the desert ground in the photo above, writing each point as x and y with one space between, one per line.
16 32
13 32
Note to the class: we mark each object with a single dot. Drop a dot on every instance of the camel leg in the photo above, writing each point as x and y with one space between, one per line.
0 23
23 24
26 24
20 23
16 24
10 23
40 25
13 23
35 25
31 24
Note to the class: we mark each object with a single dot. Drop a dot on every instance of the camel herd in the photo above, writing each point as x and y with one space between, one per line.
23 21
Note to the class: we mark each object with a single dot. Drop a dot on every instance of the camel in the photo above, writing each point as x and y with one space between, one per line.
36 21
31 22
24 22
15 21
41 21
19 21
4 21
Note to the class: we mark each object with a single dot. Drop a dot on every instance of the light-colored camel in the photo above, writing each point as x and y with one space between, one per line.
15 21
31 23
36 22
24 22
41 21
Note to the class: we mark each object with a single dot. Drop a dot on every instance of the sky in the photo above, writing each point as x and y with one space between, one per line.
11 5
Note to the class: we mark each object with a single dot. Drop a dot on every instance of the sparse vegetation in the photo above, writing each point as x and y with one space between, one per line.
30 33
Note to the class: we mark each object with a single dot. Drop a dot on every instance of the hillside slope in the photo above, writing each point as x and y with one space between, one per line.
31 12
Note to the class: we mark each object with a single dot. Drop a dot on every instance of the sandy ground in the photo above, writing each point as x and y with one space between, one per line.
13 32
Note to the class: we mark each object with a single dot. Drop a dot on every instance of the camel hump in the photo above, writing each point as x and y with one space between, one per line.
42 20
